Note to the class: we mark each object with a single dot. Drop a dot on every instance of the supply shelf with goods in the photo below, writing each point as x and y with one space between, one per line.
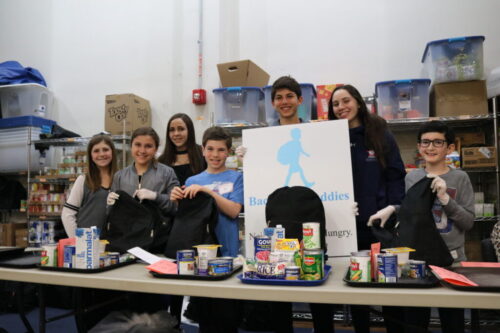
485 180
49 187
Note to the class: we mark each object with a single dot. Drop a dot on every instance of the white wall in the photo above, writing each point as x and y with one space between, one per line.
87 49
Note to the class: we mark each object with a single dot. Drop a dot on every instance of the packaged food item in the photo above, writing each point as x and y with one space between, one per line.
287 244
311 235
262 246
270 270
49 255
403 254
360 270
87 247
220 266
205 253
312 264
417 269
249 268
292 273
387 267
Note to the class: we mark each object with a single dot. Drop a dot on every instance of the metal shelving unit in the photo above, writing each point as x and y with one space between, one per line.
121 140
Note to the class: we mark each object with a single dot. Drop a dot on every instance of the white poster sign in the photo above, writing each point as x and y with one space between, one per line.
316 155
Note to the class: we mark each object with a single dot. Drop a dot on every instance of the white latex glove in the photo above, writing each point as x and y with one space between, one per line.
111 199
382 215
240 152
438 186
355 209
145 194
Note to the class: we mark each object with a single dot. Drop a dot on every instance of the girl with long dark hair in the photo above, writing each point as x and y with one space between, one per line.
181 151
378 175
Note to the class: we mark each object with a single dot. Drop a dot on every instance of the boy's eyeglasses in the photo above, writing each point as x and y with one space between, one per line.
438 143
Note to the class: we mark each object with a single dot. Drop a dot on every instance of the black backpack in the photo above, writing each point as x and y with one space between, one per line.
194 224
417 228
131 223
292 206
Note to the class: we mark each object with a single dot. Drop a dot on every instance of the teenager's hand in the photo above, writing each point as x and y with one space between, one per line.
191 191
438 186
111 199
382 215
145 194
355 209
240 152
177 194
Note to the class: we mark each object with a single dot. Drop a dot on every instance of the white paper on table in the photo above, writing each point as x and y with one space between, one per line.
145 255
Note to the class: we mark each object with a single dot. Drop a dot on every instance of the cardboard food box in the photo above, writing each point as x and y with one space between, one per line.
243 73
459 98
323 94
8 233
479 157
125 113
471 138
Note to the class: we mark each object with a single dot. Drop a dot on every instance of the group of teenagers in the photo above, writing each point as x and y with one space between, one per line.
379 178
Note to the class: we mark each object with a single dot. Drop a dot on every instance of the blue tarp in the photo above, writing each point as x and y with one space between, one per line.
12 72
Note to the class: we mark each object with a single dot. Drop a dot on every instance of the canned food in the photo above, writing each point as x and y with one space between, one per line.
312 264
218 267
311 235
387 267
360 268
185 255
104 260
292 273
114 258
417 269
186 267
262 246
49 255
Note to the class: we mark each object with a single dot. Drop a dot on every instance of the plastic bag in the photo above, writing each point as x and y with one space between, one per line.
127 322
12 72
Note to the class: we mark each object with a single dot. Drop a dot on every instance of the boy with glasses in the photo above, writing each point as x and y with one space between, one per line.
453 210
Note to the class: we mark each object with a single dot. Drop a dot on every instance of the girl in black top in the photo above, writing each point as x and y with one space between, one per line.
186 158
181 151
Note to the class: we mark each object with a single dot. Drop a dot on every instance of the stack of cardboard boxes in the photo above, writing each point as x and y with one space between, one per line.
455 66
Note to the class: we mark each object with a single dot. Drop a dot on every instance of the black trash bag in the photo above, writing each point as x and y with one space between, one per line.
131 223
417 228
194 224
57 132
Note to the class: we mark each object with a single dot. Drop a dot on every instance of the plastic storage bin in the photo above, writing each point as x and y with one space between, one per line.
403 98
305 110
239 106
14 134
26 100
454 59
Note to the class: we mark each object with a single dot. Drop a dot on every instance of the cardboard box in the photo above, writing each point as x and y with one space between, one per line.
130 109
459 98
243 73
471 138
21 238
323 94
8 233
479 157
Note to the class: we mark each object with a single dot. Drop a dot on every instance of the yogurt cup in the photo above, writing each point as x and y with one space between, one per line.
206 252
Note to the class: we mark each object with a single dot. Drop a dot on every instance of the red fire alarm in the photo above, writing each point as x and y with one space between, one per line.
199 96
